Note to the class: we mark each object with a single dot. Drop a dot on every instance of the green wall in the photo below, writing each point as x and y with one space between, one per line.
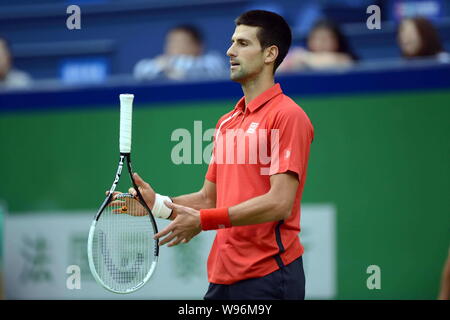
383 160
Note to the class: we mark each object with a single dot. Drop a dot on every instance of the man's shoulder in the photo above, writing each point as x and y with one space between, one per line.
284 106
287 113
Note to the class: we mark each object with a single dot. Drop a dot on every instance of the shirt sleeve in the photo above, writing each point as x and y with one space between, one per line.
291 137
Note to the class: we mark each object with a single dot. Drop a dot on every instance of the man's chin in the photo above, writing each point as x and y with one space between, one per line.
236 77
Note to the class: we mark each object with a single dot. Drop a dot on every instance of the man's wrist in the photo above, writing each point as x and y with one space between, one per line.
160 210
212 219
171 214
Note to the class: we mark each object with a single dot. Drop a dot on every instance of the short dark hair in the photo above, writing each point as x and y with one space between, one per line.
274 30
193 31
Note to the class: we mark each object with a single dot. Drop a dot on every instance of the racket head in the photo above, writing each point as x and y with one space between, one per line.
122 253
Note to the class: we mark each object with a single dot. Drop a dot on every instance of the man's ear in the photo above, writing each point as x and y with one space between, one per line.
271 54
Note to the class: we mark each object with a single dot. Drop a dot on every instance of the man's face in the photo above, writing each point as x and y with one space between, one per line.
246 54
5 59
180 42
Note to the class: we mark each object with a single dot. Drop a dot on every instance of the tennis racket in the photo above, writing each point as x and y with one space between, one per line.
122 253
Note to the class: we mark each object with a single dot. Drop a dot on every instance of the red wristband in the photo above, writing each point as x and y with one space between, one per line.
212 219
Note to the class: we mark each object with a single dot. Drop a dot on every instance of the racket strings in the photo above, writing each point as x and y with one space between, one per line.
124 245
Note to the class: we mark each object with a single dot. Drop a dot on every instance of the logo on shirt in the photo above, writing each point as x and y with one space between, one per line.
256 145
252 128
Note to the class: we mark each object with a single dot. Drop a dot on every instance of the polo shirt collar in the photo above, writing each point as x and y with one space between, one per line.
260 100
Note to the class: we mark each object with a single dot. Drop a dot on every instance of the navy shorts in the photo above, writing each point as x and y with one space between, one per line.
286 283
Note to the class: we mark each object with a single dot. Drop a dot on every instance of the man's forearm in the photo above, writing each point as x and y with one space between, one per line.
275 205
194 200
197 200
261 209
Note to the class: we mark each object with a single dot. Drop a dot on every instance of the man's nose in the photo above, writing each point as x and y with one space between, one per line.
231 52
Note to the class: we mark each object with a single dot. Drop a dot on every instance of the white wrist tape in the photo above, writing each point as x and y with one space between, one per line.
159 208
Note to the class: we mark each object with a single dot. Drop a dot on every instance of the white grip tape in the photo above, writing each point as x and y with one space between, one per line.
126 112
159 208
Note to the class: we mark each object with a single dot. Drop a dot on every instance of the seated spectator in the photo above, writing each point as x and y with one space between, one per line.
326 47
9 77
183 58
417 38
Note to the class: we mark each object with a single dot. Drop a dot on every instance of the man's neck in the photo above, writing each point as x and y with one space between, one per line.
254 87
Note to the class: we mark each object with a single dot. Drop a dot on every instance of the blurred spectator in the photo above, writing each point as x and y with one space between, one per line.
183 58
9 77
417 38
326 47
444 293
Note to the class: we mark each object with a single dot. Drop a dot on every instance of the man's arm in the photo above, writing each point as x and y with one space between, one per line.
205 198
275 205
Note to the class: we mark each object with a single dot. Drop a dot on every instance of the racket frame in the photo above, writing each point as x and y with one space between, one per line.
124 157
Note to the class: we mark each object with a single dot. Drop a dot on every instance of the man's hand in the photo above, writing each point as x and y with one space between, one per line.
184 227
146 191
123 205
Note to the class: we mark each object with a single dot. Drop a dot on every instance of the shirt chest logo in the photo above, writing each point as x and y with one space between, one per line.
252 128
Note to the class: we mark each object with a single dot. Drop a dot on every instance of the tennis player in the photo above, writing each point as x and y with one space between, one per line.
254 206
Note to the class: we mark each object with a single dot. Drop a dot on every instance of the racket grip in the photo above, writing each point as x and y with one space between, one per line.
126 112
